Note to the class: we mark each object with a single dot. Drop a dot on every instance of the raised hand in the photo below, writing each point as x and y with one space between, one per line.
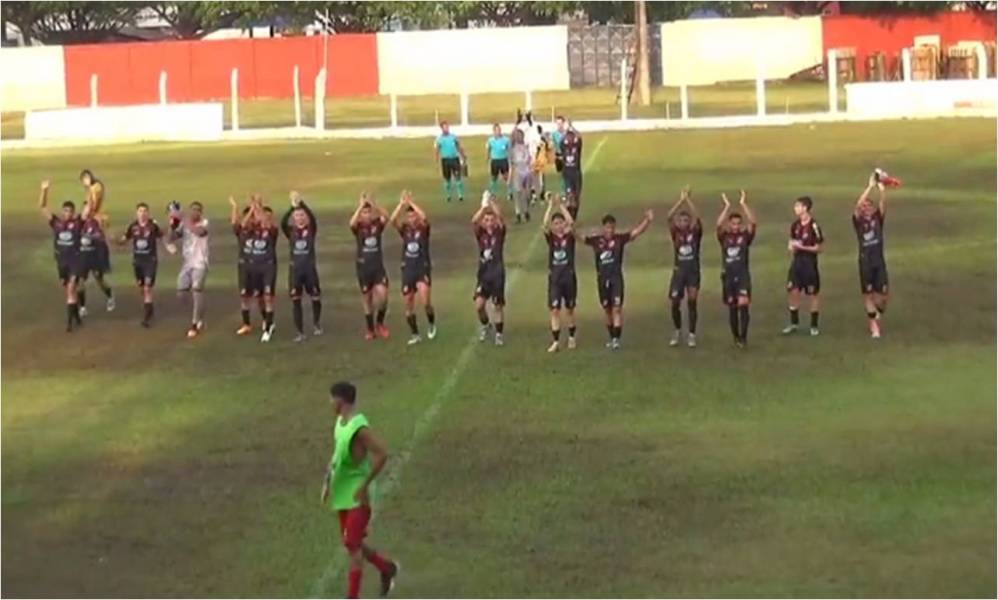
295 198
45 185
650 215
724 197
233 203
741 199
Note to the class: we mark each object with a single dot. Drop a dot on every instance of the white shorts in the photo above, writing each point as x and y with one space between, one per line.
191 278
522 180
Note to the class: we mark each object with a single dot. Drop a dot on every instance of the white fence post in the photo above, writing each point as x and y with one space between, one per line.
760 88
93 90
684 102
320 100
982 61
623 89
906 64
296 82
833 81
234 104
464 107
528 100
162 87
393 108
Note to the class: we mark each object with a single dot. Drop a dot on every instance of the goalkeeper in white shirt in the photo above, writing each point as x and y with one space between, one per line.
192 230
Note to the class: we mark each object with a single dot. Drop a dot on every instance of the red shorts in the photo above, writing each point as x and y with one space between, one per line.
353 525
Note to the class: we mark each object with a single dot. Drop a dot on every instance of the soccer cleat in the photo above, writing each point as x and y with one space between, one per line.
414 339
609 344
388 579
675 339
554 347
369 335
382 331
267 333
431 332
519 219
874 329
815 331
691 340
83 311
200 326
447 199
615 344
460 198
145 323
739 343
109 304
299 337
571 343
244 330
789 329
499 341
317 330
192 331
483 333
526 216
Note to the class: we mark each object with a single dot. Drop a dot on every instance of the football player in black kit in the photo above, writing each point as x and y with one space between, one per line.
571 170
608 248
559 231
144 233
368 224
242 227
686 231
735 238
257 236
95 256
490 233
868 221
300 227
804 246
416 265
66 230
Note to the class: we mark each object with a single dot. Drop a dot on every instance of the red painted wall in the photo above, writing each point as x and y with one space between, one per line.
196 71
889 34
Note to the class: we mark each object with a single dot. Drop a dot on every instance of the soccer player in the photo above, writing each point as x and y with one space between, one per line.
301 228
497 151
358 457
66 230
368 224
257 237
450 154
416 265
490 233
557 136
522 165
95 257
804 246
686 231
608 249
144 233
559 231
192 230
735 238
242 227
868 221
571 170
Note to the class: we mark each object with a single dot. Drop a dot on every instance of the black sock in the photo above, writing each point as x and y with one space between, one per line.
316 312
871 315
104 287
297 311
71 315
556 334
431 316
246 316
571 331
733 320
381 315
268 318
81 298
618 331
369 318
411 320
691 307
744 321
677 315
147 311
881 308
814 319
483 317
609 330
794 316
499 327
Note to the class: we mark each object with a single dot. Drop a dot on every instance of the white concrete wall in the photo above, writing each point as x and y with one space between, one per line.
32 78
913 98
478 60
142 122
707 51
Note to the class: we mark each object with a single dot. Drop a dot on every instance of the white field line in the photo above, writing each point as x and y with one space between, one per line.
335 570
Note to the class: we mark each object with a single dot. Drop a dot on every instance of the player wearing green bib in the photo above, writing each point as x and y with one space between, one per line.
449 152
358 457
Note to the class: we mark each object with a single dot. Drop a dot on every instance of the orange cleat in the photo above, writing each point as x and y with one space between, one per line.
244 330
383 332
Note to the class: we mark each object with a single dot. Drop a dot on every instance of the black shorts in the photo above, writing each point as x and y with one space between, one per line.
303 279
96 261
804 277
68 268
558 163
145 272
573 180
499 166
562 290
368 277
684 276
611 291
412 276
491 285
735 284
872 277
450 168
258 279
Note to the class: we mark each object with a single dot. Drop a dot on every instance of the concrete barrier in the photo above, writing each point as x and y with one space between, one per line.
147 122
913 98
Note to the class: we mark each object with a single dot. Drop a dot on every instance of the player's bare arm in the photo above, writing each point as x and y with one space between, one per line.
723 217
416 208
395 219
864 197
43 201
476 218
233 211
679 203
553 204
497 210
749 214
642 227
355 217
378 454
882 189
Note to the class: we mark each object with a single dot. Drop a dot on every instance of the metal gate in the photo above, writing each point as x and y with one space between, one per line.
595 52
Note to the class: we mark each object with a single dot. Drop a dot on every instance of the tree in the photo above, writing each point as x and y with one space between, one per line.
69 22
193 20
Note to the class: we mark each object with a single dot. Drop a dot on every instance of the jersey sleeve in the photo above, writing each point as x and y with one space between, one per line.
53 220
749 236
819 237
128 231
590 240
623 238
157 231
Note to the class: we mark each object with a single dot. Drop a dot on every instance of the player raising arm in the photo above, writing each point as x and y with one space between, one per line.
192 230
301 227
868 221
416 265
66 231
735 238
559 231
608 248
806 241
368 224
490 233
686 231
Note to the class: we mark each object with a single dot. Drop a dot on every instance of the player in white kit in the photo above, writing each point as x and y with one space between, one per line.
192 230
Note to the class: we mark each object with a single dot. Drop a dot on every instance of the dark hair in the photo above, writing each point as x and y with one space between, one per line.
69 204
444 122
494 125
560 118
268 210
558 216
344 390
540 129
735 215
409 209
607 219
142 205
246 210
87 173
197 204
807 202
683 213
366 204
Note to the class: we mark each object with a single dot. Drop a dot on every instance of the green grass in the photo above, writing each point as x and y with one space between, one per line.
136 463
579 104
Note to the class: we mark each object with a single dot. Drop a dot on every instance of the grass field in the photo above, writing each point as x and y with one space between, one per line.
588 103
136 463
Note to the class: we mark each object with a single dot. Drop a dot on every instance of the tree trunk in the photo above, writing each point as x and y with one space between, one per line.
643 72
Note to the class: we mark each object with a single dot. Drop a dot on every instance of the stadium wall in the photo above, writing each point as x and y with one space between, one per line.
890 33
31 78
511 59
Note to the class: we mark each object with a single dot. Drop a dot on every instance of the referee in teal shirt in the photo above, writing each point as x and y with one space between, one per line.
449 152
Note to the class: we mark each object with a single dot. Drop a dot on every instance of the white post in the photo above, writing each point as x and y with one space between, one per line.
684 102
93 90
297 88
394 109
464 107
833 81
162 87
623 89
760 88
982 61
234 104
528 101
320 100
906 64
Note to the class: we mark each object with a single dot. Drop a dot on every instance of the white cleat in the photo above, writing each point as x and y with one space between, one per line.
815 332
317 330
109 304
571 343
675 339
554 347
83 311
789 329
414 339
267 333
431 332
691 340
615 344
483 334
499 340
299 338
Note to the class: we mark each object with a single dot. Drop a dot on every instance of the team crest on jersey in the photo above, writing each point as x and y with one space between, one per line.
412 248
733 251
487 254
141 244
685 250
869 234
259 244
85 241
560 255
301 245
65 236
606 256
370 241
